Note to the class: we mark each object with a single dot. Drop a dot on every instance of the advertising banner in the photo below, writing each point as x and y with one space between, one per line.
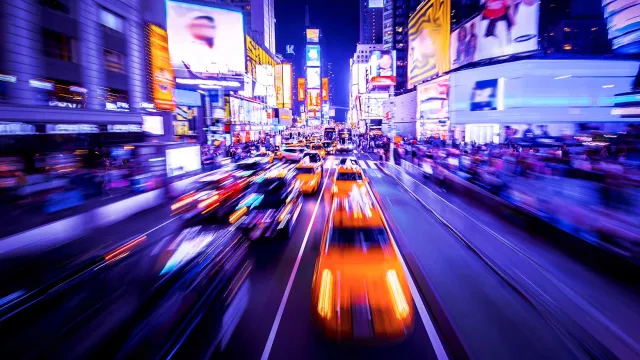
313 35
382 63
325 89
313 55
623 24
279 88
313 77
256 56
433 99
205 42
287 85
161 72
314 101
429 41
301 89
486 95
376 3
499 30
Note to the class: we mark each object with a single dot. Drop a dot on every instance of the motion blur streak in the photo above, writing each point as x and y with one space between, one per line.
238 214
124 250
326 295
399 301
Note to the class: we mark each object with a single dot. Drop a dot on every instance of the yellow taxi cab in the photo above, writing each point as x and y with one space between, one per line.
319 148
347 177
265 154
359 290
309 172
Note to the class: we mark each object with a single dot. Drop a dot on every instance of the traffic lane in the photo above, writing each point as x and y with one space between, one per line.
272 265
298 336
599 308
489 318
25 273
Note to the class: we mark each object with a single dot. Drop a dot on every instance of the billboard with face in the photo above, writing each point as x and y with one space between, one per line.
205 42
382 63
314 100
313 55
313 78
429 41
503 28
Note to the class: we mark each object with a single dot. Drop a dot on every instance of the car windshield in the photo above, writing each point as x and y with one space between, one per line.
313 157
344 161
327 144
349 176
272 191
304 170
317 147
364 238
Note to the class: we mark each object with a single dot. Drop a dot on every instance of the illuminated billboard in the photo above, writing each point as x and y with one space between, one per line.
205 42
256 56
623 24
161 72
428 41
314 100
287 85
382 63
313 55
279 88
313 35
313 78
493 34
371 105
376 3
301 89
325 89
433 99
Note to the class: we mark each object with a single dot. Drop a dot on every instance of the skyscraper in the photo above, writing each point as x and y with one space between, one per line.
259 20
396 15
371 21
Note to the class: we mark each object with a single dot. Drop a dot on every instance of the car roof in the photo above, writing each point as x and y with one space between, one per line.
348 169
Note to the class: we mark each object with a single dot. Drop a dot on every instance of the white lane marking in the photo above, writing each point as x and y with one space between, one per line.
371 163
438 348
285 297
363 164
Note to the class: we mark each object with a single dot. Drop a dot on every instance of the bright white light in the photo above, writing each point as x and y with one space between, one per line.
607 86
563 77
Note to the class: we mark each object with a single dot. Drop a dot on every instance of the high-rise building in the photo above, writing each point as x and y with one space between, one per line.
331 76
396 15
259 20
371 21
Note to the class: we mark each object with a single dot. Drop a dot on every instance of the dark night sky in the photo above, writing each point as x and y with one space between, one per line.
339 23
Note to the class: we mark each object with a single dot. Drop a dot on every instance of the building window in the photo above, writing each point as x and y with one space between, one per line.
57 5
114 99
111 20
59 93
114 61
59 46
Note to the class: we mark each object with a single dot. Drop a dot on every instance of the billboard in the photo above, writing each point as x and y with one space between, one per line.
205 42
499 30
313 55
433 99
371 105
279 88
623 24
162 80
301 89
313 35
325 89
376 3
287 85
313 77
382 63
487 95
314 101
256 56
428 41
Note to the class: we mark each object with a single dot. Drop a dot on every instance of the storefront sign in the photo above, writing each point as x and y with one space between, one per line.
124 128
255 127
8 128
71 128
147 106
63 104
117 106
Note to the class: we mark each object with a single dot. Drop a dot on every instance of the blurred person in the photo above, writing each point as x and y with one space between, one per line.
472 44
461 50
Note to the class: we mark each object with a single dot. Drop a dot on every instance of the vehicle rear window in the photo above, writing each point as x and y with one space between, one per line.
304 170
364 238
316 147
349 176
313 157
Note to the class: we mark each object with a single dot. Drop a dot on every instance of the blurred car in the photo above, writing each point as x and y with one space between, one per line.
329 147
253 166
309 173
293 153
319 148
349 161
347 178
345 146
359 289
215 194
272 209
265 154
277 153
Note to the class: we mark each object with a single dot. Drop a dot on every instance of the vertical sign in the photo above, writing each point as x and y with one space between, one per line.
325 89
301 89
287 85
162 79
279 87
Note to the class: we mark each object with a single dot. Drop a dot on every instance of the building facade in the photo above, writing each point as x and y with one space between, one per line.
370 23
396 15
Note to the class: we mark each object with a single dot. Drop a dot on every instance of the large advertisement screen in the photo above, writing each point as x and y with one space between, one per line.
256 56
161 71
205 42
623 24
301 89
313 55
325 89
313 77
487 95
429 41
279 88
287 85
382 63
376 3
313 35
499 30
433 99
314 100
182 160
